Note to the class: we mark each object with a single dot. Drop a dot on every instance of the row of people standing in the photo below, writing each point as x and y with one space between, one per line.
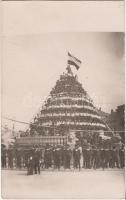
85 157
58 156
103 158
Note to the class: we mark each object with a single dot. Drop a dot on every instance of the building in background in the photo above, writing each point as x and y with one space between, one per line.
116 120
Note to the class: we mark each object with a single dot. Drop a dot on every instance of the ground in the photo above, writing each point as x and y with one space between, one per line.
88 184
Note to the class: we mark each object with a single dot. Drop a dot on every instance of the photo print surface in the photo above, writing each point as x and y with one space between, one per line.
63 102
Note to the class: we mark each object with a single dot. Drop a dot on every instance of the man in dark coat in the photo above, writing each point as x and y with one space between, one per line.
36 160
10 159
57 157
110 157
121 155
76 156
115 157
68 157
64 157
84 153
95 157
97 160
30 166
102 158
3 158
48 157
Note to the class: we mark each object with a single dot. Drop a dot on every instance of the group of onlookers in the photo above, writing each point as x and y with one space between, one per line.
65 157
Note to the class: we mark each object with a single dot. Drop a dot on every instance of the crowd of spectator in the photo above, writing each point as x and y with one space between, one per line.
88 154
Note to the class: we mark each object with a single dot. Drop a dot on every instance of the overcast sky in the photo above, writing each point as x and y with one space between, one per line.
33 61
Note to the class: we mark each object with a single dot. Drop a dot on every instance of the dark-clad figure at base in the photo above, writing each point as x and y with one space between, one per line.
48 157
115 157
36 160
96 158
110 157
107 157
76 156
67 157
122 157
30 166
3 159
57 157
102 157
88 157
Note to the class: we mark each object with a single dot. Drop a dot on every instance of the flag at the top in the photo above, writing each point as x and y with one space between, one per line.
73 61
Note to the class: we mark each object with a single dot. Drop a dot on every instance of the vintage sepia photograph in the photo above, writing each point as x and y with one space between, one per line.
63 113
